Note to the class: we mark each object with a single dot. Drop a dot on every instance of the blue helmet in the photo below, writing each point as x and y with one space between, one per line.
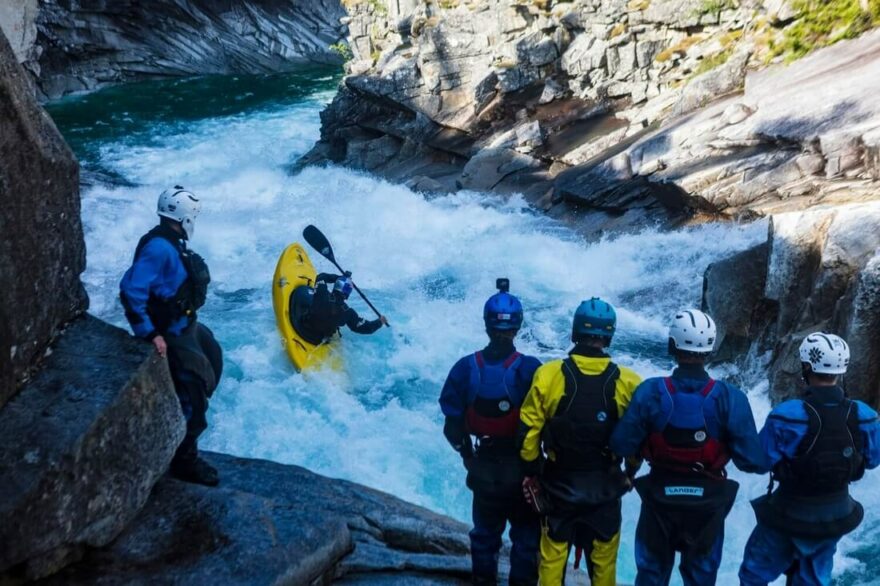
594 318
503 311
344 286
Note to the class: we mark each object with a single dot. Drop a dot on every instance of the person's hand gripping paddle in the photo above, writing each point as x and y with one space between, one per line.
319 242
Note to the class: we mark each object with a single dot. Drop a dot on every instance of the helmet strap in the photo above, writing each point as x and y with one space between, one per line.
597 342
505 336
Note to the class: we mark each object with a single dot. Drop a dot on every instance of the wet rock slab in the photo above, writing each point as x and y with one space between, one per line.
269 523
81 447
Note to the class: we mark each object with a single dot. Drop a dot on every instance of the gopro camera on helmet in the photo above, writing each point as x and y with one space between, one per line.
502 284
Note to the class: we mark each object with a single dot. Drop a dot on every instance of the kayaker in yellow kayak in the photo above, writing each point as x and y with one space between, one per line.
318 313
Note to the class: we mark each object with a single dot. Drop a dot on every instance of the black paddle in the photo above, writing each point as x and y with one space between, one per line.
319 242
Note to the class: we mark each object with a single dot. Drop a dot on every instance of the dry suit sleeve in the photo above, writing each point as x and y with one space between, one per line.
533 416
328 278
869 424
746 450
136 284
625 388
359 325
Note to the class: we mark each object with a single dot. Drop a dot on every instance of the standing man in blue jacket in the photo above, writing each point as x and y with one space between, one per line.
481 400
688 427
161 292
816 445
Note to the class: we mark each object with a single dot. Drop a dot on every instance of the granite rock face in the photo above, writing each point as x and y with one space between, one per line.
42 252
269 523
628 110
818 272
800 135
81 446
75 46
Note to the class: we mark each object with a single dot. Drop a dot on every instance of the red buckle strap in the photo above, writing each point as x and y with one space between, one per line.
479 358
708 388
705 392
511 359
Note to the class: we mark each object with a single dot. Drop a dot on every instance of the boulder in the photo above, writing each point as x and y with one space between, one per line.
269 523
190 534
709 86
820 272
42 251
82 445
733 290
490 166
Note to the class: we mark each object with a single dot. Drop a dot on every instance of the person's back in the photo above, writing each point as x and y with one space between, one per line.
817 445
318 313
481 399
569 414
688 427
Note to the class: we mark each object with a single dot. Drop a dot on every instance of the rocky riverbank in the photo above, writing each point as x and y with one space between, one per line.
610 107
76 46
89 421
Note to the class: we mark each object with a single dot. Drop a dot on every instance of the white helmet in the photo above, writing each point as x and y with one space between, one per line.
692 331
180 205
825 353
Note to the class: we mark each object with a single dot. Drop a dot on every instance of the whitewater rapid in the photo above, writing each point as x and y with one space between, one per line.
428 263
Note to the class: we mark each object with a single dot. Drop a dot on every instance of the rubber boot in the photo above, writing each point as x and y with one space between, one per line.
187 466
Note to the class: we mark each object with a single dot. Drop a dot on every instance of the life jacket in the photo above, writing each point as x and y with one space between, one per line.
493 412
684 445
577 435
191 294
324 315
830 456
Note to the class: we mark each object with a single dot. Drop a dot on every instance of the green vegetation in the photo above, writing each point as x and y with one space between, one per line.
711 62
638 5
343 50
716 6
377 5
448 4
824 22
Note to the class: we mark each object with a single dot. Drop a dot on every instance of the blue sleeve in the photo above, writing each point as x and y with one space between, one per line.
786 427
633 428
745 448
454 396
524 376
138 281
870 427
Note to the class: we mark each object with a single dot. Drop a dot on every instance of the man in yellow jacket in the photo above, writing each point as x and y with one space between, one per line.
570 412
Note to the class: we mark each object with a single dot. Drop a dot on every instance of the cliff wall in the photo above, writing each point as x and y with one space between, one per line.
82 45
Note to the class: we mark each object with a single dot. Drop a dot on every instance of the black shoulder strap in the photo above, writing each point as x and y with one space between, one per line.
160 231
814 426
569 371
852 423
573 374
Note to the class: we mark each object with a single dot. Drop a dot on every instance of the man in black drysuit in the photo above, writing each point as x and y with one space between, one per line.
317 314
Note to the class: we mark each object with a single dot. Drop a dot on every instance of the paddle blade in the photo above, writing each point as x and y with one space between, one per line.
319 242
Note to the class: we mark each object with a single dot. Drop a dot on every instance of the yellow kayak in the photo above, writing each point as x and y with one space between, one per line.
293 270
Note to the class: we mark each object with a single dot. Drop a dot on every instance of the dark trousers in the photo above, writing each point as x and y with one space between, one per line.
195 360
491 516
655 558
